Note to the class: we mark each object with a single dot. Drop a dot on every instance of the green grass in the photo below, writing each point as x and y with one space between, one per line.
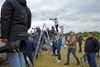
45 60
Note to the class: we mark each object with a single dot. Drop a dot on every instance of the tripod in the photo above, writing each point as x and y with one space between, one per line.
83 59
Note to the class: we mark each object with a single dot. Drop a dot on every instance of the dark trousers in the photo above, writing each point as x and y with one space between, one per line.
58 52
54 51
74 54
80 46
91 57
56 27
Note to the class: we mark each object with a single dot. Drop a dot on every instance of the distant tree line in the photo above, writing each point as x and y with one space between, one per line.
84 34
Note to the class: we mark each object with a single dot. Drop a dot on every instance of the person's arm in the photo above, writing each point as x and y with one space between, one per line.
29 17
51 19
96 45
6 16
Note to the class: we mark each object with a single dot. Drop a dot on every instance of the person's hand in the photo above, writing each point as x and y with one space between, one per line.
3 40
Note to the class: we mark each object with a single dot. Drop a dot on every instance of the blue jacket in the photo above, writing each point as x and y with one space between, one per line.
59 42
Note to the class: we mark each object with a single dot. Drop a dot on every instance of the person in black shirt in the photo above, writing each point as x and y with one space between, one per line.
91 47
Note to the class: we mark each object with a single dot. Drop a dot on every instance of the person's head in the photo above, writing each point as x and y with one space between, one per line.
55 18
60 34
72 33
89 34
38 29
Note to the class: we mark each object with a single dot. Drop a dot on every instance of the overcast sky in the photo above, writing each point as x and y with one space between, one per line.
74 15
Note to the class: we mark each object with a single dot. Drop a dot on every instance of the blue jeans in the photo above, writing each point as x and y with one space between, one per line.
58 52
16 59
74 54
91 57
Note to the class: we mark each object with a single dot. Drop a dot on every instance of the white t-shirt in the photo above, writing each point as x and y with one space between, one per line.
56 22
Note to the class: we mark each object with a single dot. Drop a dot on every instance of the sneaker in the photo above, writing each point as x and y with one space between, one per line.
59 61
66 64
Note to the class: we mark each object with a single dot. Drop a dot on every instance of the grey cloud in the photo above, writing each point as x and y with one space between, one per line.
75 15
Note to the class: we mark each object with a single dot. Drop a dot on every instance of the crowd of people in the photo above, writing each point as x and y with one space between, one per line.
91 47
16 19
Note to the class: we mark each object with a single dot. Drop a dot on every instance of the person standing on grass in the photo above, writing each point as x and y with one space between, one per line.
80 43
71 48
15 20
54 46
59 44
29 53
53 32
91 47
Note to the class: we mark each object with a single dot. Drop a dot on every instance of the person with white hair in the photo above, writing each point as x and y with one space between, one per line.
59 44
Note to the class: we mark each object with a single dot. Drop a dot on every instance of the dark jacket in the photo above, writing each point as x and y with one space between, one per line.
91 45
31 49
54 44
36 36
80 39
15 19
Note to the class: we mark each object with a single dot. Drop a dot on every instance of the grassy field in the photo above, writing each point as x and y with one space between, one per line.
45 60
